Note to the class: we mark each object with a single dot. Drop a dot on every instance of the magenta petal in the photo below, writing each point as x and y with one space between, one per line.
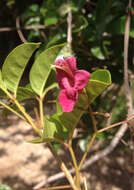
81 79
60 75
66 103
71 62
65 83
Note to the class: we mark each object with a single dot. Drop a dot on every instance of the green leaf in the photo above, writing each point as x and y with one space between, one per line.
36 141
100 80
56 146
2 85
83 143
51 18
42 67
34 7
58 106
6 112
50 83
1 81
15 64
97 52
24 93
53 129
61 126
101 136
81 23
58 38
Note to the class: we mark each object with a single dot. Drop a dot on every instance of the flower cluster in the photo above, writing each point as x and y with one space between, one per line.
71 82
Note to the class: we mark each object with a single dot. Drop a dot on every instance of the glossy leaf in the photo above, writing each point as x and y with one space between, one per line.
100 80
42 68
15 64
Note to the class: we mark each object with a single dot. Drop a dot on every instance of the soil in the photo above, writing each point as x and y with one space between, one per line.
23 165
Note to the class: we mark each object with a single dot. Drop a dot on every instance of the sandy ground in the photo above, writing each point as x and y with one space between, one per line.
23 165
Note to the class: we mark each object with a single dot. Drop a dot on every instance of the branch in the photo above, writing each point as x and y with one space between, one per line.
126 83
128 94
19 30
69 22
8 29
120 133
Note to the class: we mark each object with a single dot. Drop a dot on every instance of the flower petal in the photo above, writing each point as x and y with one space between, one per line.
67 103
60 75
65 83
71 62
81 79
63 71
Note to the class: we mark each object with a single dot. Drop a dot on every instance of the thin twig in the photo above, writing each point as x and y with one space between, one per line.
115 141
37 117
69 22
28 118
93 119
19 30
63 167
77 172
40 100
85 183
87 150
116 124
126 44
99 155
31 27
57 187
128 94
12 110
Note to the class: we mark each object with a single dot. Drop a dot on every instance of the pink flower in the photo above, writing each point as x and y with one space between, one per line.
71 82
